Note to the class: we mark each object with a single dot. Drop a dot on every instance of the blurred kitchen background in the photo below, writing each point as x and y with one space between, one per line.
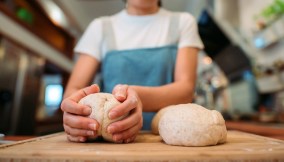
241 70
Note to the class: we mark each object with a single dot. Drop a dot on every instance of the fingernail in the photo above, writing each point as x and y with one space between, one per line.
128 140
119 141
90 133
93 126
120 95
112 114
82 139
87 110
116 138
110 129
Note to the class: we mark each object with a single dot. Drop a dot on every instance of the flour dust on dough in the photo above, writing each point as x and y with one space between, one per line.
192 125
101 104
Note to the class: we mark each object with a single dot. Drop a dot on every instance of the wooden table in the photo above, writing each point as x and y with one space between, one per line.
273 130
147 147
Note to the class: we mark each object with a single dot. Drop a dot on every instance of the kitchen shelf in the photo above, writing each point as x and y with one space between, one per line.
233 34
269 35
270 84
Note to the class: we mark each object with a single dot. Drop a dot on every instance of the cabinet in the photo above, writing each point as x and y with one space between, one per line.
28 55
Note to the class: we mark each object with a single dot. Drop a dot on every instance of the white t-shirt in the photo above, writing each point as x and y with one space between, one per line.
135 32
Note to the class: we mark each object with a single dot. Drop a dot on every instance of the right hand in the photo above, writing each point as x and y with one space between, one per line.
75 121
127 129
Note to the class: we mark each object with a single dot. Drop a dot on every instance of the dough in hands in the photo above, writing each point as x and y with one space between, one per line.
101 104
192 125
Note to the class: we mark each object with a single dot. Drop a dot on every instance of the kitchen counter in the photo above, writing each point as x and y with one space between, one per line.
147 147
273 130
18 138
12 139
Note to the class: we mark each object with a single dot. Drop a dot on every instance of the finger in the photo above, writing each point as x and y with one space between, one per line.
127 133
77 96
125 123
73 107
76 138
80 122
131 139
123 108
79 132
120 92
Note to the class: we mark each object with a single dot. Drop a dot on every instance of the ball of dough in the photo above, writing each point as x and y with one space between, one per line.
155 121
192 125
101 104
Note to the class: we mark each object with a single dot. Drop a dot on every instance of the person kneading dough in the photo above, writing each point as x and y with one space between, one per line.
190 125
101 104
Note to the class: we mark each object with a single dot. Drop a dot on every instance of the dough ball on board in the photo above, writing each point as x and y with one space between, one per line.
155 121
101 104
192 125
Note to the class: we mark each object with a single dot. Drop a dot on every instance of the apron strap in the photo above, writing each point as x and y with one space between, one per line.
173 36
108 33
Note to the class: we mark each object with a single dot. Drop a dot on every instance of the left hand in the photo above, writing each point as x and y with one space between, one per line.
75 121
127 129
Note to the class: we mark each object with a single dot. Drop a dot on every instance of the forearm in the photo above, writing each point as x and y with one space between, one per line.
82 75
69 91
178 92
74 85
155 98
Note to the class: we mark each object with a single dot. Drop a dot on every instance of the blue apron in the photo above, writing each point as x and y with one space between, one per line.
145 67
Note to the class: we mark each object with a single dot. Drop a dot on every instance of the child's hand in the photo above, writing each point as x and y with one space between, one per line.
75 121
127 129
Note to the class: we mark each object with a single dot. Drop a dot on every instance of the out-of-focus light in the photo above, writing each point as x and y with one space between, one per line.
2 52
259 42
53 95
207 60
54 12
56 15
215 81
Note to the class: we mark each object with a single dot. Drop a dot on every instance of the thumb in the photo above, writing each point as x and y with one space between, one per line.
120 92
77 96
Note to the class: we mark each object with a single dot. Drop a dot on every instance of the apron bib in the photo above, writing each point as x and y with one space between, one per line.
145 67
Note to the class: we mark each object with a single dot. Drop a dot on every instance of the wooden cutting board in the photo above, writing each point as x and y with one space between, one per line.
147 147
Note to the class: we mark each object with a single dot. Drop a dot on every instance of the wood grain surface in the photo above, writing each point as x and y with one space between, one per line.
273 130
147 147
